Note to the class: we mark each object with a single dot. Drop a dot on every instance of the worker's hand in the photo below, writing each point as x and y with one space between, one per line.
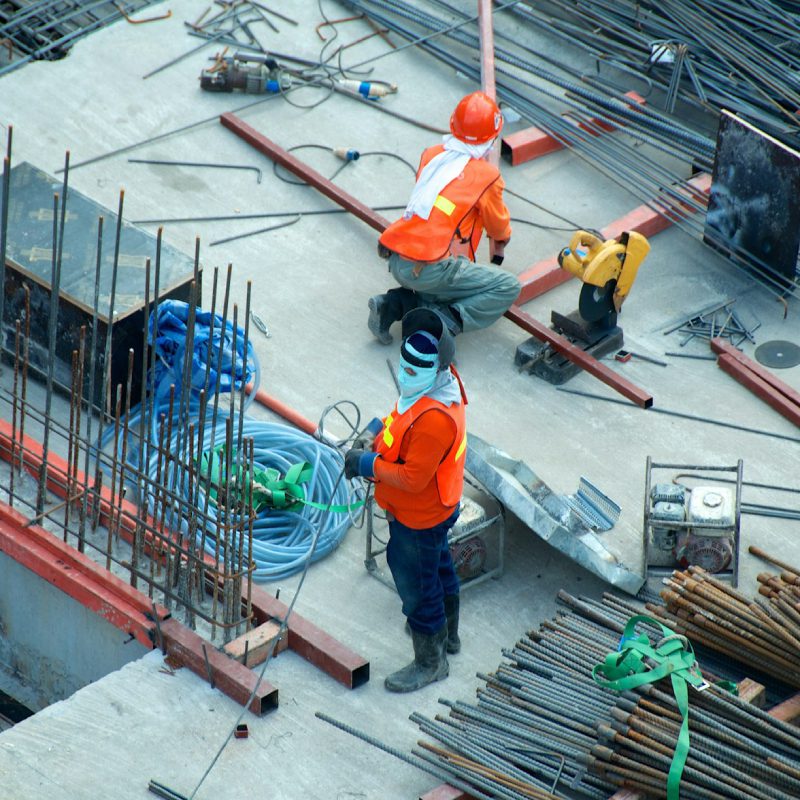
497 250
359 463
367 436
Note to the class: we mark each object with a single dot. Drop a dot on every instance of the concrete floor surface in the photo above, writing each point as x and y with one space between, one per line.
310 283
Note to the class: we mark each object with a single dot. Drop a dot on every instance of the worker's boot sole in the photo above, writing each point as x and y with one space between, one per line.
376 322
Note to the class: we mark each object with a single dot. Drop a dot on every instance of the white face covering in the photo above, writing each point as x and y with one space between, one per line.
417 371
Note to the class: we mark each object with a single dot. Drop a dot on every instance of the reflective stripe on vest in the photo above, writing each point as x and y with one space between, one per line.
450 472
429 240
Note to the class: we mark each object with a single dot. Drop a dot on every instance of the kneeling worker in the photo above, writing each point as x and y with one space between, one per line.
417 463
431 249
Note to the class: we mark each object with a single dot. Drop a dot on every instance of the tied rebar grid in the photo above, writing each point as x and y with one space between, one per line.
652 152
146 518
46 29
542 725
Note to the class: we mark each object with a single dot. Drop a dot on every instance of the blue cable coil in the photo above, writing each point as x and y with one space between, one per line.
281 538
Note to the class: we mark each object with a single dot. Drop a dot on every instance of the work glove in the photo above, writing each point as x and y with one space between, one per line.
359 463
367 436
497 250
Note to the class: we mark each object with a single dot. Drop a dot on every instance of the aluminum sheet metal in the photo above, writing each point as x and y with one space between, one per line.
547 514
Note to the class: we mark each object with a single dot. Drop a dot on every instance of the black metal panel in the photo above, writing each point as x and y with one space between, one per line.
29 259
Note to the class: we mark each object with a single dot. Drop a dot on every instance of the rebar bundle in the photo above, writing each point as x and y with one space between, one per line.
765 635
653 154
541 724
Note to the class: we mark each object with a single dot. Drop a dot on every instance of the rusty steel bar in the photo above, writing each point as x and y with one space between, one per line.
297 167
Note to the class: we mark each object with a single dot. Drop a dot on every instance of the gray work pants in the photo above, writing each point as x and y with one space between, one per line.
480 293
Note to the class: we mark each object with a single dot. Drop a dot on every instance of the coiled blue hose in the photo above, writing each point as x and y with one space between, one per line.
282 539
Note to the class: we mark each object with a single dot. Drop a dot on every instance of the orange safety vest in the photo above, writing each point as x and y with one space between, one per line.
450 472
430 240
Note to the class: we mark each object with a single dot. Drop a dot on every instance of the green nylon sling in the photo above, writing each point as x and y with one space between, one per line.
270 490
673 655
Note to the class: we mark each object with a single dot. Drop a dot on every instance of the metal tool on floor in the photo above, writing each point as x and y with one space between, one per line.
692 527
249 73
607 270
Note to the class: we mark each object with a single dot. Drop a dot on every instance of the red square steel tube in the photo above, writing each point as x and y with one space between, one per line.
309 175
238 682
311 642
530 143
759 387
580 357
721 347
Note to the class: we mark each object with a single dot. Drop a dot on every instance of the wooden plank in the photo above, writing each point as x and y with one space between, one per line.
788 710
752 692
257 644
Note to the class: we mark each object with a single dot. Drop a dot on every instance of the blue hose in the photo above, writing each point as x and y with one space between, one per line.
282 539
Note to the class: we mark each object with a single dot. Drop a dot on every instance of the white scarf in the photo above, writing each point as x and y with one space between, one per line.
441 170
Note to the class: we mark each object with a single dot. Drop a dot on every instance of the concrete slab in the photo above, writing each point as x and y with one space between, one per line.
310 283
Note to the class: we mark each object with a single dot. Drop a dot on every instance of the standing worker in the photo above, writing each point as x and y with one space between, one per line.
431 248
416 458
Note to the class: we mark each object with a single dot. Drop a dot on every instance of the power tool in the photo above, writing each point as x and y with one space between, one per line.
607 269
238 72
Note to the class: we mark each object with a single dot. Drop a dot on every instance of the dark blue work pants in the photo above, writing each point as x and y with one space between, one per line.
423 572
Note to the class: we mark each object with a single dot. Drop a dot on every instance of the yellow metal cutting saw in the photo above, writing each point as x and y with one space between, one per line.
607 268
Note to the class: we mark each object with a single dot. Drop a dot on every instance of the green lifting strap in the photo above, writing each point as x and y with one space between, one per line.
270 490
673 656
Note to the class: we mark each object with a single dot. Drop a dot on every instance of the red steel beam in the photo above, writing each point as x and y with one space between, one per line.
305 638
721 347
309 175
311 642
580 357
759 387
234 679
645 219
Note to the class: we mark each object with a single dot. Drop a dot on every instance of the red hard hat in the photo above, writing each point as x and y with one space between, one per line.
476 119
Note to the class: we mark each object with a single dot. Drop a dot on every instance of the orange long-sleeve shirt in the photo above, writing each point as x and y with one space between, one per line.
407 488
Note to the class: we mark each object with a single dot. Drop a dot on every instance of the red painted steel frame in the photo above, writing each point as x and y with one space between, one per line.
232 678
78 576
297 167
305 638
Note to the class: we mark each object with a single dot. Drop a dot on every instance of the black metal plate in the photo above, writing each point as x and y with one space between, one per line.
778 354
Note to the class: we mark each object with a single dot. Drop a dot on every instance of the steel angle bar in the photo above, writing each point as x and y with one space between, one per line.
528 496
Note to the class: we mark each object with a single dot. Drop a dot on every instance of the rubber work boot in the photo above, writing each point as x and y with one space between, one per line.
429 664
451 605
380 318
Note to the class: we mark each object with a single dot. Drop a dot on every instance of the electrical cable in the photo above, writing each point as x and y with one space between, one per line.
282 537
